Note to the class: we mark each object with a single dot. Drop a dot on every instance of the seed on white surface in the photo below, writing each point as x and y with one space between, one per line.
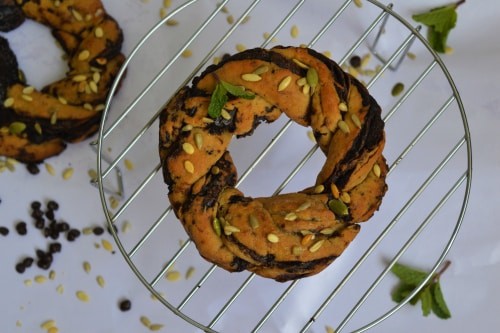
230 19
172 22
48 324
107 245
86 267
28 282
50 169
294 31
52 275
358 3
310 135
82 296
60 289
40 279
167 3
126 227
100 281
173 276
67 173
240 47
155 327
187 53
245 19
53 330
327 54
129 165
145 321
189 273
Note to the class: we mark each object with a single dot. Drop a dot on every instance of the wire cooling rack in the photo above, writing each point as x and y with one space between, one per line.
428 149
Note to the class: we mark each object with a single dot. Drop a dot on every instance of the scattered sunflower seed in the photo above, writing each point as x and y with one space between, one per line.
79 78
40 279
126 227
86 267
294 31
50 169
189 273
245 19
83 55
48 324
82 296
303 206
187 128
230 19
345 197
240 47
60 289
343 107
129 165
52 275
77 15
107 245
310 135
300 63
172 22
302 81
261 70
291 216
100 281
145 321
155 327
224 114
411 55
397 89
53 330
358 3
230 229
329 329
67 173
198 140
173 276
187 53
319 189
28 282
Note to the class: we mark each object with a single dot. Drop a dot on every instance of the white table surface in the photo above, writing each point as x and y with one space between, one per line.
470 284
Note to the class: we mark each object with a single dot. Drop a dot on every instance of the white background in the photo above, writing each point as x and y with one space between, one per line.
470 284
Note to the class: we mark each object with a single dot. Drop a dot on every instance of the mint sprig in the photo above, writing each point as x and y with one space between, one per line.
439 22
430 296
220 96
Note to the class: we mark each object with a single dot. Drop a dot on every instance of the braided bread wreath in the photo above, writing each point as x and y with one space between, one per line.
288 236
35 125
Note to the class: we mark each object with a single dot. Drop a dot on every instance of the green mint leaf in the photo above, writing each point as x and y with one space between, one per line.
439 21
217 101
237 91
408 275
426 299
439 306
401 291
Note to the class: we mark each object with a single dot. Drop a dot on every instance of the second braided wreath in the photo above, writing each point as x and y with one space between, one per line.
287 236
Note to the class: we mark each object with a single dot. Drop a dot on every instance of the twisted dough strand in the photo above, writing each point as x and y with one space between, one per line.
287 236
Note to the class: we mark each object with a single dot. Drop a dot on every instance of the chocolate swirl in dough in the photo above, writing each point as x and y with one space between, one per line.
288 236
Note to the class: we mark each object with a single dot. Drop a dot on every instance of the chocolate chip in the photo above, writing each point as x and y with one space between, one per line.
125 305
21 228
43 264
52 205
20 268
33 168
63 226
55 247
36 205
36 213
73 234
355 61
40 223
50 214
98 231
28 261
4 231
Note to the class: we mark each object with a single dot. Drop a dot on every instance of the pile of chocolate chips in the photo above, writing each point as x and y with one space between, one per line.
52 229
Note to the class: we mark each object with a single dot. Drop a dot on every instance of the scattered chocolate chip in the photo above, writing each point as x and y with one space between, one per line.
36 205
355 61
28 261
62 226
20 268
36 213
33 168
43 264
52 205
40 223
125 305
55 247
73 234
50 214
4 231
21 228
98 231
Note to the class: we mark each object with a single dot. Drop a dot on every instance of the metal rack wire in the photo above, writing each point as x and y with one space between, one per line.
459 156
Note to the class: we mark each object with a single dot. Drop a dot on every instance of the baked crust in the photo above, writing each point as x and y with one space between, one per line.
287 236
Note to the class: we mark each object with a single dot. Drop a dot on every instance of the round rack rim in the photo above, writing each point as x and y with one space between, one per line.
467 177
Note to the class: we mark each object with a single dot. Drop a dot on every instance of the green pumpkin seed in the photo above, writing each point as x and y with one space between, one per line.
216 226
338 207
17 127
312 77
397 89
